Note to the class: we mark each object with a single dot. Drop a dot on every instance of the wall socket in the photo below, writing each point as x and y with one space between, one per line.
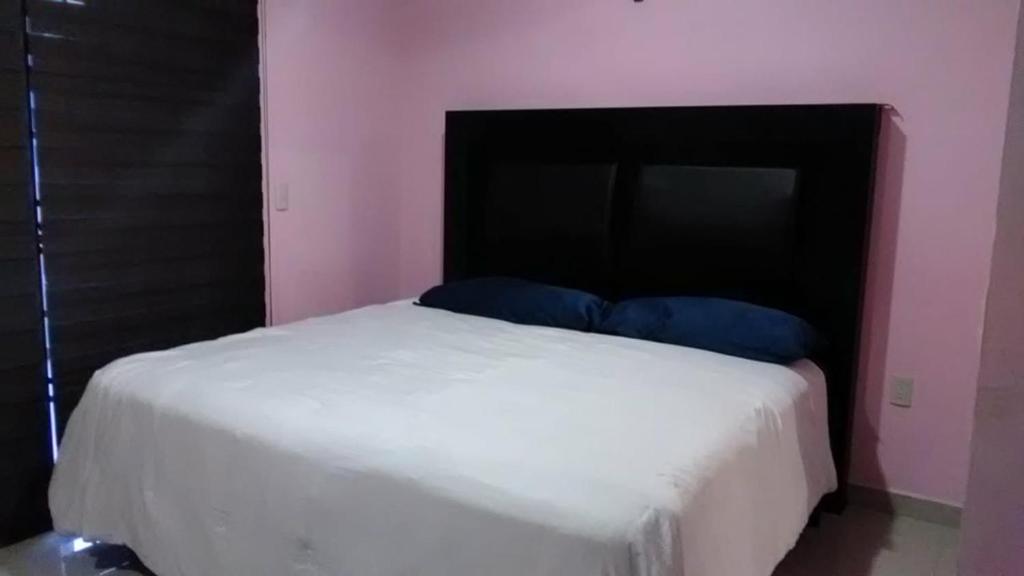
901 391
281 198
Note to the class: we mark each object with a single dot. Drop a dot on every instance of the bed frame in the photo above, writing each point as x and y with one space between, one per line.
767 204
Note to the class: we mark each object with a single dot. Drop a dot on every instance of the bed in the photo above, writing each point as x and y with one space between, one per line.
399 440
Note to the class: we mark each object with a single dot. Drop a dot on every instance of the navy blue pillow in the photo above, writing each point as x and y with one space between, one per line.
726 326
518 301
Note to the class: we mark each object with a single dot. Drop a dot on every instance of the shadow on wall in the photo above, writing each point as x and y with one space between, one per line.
833 546
865 467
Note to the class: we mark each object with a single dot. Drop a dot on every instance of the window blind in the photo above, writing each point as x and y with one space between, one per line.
147 119
25 455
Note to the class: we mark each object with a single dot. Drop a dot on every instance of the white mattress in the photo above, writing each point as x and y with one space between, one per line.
399 440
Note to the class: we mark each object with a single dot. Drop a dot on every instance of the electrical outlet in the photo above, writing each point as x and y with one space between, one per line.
901 391
281 199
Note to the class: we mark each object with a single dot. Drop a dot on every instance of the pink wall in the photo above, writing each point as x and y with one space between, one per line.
358 88
993 527
328 108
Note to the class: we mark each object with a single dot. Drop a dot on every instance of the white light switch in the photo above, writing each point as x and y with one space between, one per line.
281 197
901 391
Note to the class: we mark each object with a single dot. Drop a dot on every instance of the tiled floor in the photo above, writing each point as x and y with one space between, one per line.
859 543
53 555
866 543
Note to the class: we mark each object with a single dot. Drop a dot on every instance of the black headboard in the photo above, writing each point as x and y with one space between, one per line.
767 204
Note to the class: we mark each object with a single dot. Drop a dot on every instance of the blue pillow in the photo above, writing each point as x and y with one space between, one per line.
518 301
726 326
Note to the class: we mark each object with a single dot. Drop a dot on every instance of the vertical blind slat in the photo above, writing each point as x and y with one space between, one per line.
25 459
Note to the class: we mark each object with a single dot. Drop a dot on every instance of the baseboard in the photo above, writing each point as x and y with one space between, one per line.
904 505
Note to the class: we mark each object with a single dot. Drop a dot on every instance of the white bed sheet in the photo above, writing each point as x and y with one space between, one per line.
400 440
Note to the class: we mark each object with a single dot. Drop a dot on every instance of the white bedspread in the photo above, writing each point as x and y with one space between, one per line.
399 440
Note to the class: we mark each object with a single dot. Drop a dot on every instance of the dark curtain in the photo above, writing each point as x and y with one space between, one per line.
148 126
25 455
